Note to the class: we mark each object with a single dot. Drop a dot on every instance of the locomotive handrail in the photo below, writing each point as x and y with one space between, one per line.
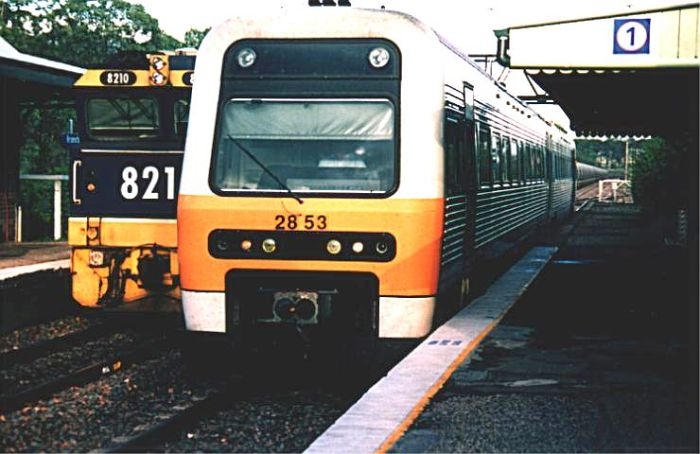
74 193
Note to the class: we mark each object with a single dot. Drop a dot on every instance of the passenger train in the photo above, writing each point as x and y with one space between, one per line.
132 121
345 171
587 174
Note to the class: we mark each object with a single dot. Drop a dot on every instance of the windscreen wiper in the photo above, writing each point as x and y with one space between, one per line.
267 171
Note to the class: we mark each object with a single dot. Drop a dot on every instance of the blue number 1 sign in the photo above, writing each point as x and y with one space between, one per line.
631 36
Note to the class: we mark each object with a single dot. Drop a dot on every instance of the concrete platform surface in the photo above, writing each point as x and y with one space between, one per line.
20 254
600 354
23 259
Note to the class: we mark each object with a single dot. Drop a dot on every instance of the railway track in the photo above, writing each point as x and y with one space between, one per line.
585 196
60 343
112 364
169 425
240 416
140 396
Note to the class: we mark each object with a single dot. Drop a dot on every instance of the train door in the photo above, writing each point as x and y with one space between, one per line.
460 200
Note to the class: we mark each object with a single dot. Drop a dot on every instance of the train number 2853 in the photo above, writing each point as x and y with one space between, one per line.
132 183
294 222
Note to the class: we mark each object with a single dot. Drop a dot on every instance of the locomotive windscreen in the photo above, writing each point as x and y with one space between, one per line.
122 118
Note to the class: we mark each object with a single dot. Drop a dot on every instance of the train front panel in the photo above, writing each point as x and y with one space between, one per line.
312 186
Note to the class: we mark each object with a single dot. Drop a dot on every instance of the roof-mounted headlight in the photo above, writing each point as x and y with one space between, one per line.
246 58
378 57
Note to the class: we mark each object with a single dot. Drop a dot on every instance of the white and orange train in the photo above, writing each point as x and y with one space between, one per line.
345 169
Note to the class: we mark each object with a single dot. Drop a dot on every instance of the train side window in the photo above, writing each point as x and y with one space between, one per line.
561 166
454 157
535 158
558 162
514 162
558 166
505 159
485 176
545 164
541 163
527 173
495 158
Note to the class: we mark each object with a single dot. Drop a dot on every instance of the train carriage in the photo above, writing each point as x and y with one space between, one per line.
132 121
344 168
587 174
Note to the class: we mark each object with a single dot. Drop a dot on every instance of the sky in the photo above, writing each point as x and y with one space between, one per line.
469 24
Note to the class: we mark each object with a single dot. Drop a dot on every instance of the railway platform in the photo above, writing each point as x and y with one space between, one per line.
21 258
599 354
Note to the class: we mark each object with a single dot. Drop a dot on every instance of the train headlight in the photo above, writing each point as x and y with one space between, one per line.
284 308
222 245
90 187
246 58
333 247
269 245
246 245
158 63
378 57
358 247
305 309
158 79
382 247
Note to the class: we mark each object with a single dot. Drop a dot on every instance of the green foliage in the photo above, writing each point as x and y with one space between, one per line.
194 37
81 32
659 172
42 154
609 154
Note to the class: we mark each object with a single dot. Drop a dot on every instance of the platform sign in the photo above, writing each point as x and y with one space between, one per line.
631 36
70 139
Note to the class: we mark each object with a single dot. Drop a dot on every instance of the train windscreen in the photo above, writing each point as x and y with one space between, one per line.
308 145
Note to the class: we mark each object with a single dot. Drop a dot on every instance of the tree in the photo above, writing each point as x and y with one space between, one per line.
80 32
659 182
606 153
194 37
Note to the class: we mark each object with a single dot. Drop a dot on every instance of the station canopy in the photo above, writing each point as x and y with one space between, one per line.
628 73
34 78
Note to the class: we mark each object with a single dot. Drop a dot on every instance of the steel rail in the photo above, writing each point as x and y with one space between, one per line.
171 424
49 346
82 376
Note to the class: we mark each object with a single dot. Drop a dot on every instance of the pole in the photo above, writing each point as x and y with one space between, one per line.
57 210
627 155
18 224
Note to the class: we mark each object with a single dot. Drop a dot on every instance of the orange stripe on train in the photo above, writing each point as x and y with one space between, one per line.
415 223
